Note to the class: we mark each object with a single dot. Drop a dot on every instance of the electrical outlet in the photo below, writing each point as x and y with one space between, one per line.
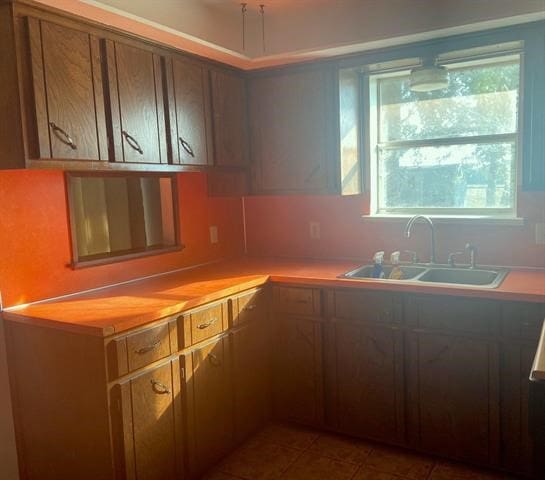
540 233
314 228
213 234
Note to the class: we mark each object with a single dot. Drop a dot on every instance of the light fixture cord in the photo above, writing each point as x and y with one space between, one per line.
262 11
243 8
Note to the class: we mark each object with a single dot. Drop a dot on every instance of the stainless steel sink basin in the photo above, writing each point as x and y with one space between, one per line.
409 271
463 276
441 274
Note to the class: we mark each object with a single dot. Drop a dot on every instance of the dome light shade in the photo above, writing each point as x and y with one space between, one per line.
428 79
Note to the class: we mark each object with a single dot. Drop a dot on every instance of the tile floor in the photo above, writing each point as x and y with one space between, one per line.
289 452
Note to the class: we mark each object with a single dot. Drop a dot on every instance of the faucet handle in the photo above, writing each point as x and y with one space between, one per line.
413 254
451 258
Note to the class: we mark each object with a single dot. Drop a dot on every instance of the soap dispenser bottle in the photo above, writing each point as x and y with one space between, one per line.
378 271
396 273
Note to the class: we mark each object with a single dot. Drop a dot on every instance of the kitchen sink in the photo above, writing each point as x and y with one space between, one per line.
441 274
463 276
366 271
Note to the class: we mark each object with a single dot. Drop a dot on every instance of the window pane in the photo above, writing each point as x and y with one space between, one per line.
455 176
480 100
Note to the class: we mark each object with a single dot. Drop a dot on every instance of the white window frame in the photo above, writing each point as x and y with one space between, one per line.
373 135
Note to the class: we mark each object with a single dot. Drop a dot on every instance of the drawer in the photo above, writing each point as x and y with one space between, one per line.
203 323
249 307
131 352
523 320
372 307
297 300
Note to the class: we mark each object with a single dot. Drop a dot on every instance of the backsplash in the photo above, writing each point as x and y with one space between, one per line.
35 247
280 226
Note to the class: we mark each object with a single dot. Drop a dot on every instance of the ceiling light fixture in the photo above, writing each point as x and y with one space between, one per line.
429 77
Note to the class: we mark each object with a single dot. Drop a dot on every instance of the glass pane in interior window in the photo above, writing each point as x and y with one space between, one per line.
480 100
456 176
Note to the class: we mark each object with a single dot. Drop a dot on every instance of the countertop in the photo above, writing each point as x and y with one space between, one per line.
119 308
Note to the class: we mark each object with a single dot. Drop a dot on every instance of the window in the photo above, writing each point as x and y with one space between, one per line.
451 151
116 217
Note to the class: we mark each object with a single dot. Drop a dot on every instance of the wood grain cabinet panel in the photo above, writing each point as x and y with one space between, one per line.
229 118
190 112
136 93
298 370
290 134
68 92
368 380
146 420
209 404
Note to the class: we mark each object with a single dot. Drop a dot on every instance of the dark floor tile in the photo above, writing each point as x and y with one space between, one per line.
341 448
399 462
293 436
311 466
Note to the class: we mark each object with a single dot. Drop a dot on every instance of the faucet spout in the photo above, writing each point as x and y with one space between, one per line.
426 219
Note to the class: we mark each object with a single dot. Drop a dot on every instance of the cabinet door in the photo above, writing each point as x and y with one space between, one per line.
453 396
209 404
229 119
147 425
289 131
67 79
368 380
136 90
250 378
189 119
298 382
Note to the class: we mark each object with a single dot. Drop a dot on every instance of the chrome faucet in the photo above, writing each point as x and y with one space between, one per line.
408 228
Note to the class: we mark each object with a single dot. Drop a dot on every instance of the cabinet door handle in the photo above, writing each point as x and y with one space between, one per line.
159 388
215 361
148 348
132 142
186 146
250 307
203 326
63 136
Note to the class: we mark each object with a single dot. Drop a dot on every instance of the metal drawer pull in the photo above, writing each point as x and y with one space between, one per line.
214 360
63 136
186 146
148 348
250 307
159 388
205 325
132 142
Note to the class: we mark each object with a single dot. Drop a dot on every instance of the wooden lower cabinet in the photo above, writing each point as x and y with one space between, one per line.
146 419
366 380
298 371
209 404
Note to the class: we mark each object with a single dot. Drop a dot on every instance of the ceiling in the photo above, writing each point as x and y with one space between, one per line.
298 30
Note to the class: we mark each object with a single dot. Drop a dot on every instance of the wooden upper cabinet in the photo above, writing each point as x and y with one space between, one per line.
290 134
189 112
229 118
68 92
135 77
147 425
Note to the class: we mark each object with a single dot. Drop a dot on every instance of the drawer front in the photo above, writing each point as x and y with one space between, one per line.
298 301
523 320
148 346
201 324
372 307
249 307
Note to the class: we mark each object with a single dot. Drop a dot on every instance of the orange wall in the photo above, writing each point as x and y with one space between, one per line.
35 240
279 226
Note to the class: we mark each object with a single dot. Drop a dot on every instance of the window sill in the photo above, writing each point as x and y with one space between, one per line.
451 219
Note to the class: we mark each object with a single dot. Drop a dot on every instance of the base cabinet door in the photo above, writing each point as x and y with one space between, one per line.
147 425
250 378
209 405
453 396
298 375
367 380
